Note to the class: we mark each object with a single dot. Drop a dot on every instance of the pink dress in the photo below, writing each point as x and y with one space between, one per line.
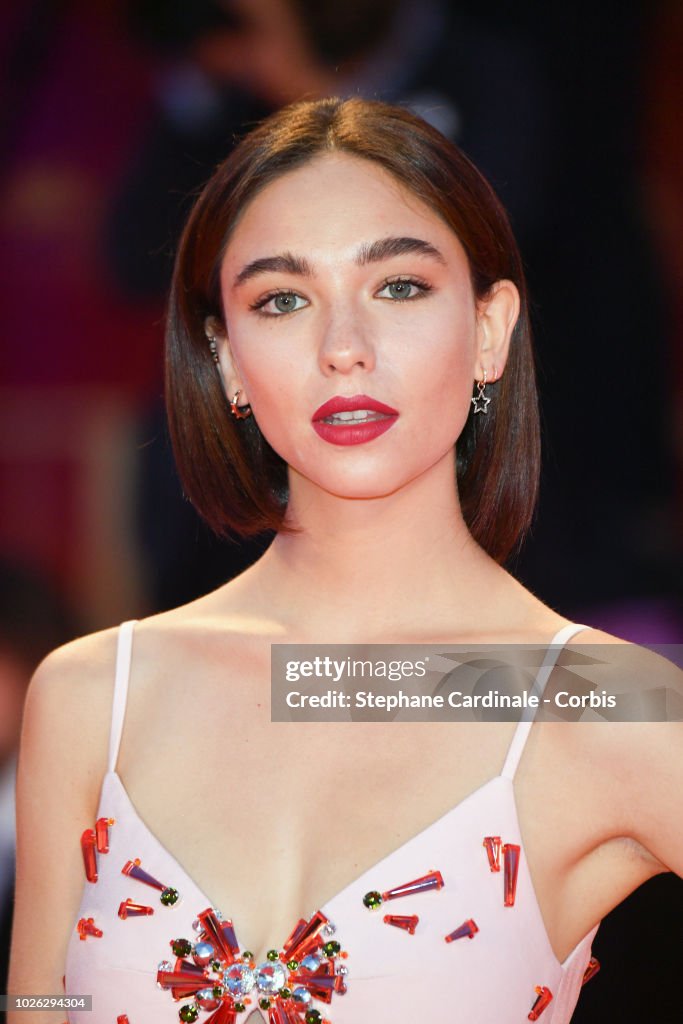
465 943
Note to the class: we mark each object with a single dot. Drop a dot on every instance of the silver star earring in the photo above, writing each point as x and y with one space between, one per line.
480 400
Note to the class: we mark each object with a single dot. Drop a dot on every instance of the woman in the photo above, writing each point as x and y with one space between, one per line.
346 262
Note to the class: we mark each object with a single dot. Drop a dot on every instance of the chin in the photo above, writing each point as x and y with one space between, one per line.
361 489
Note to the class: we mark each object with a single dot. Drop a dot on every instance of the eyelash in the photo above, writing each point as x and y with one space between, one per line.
422 286
264 300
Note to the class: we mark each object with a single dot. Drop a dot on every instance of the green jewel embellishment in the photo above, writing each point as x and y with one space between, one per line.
372 900
308 967
181 947
168 897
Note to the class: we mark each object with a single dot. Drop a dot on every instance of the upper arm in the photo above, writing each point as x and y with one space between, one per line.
62 758
648 755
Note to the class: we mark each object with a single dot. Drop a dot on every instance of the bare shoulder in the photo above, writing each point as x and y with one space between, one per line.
76 680
201 632
68 705
644 673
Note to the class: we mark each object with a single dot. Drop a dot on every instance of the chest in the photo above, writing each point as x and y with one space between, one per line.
403 976
272 820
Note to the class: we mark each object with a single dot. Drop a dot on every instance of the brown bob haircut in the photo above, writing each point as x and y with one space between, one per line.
234 478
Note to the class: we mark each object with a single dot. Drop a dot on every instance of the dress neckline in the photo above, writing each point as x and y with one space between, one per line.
327 908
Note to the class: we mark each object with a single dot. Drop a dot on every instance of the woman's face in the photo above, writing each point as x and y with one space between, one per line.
337 281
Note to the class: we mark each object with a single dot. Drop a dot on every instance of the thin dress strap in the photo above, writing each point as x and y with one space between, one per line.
523 729
124 650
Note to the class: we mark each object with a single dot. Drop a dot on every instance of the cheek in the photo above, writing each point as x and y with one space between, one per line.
439 358
264 361
273 377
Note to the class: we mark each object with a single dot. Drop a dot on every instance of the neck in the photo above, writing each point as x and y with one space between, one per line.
399 565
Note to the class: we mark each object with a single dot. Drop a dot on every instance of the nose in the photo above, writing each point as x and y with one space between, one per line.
345 344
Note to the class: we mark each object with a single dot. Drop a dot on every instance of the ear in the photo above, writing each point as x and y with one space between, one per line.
497 315
216 332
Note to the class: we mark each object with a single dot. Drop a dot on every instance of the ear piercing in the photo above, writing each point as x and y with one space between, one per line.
480 400
213 347
240 413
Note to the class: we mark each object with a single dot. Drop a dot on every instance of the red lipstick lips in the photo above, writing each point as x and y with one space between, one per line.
352 430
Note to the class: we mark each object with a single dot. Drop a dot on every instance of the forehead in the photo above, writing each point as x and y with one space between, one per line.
330 206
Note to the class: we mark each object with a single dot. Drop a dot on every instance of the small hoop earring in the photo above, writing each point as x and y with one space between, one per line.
480 401
239 413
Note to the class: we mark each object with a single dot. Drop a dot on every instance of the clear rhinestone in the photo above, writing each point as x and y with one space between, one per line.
329 928
202 953
311 962
271 976
239 979
301 995
342 970
206 999
197 925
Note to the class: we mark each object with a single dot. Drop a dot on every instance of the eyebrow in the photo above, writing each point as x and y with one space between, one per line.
369 252
385 248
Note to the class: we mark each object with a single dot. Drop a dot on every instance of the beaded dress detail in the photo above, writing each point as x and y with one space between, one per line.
445 928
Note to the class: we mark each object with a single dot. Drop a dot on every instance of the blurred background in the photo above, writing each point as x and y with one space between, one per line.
113 114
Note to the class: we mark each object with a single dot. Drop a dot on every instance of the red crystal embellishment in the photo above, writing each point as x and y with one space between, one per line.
95 839
88 850
407 923
132 868
591 970
433 880
493 846
87 926
122 1019
221 935
102 833
305 938
543 998
223 1015
184 980
511 867
131 909
468 929
306 968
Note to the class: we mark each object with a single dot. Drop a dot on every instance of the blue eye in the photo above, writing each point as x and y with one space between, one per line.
402 289
278 303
